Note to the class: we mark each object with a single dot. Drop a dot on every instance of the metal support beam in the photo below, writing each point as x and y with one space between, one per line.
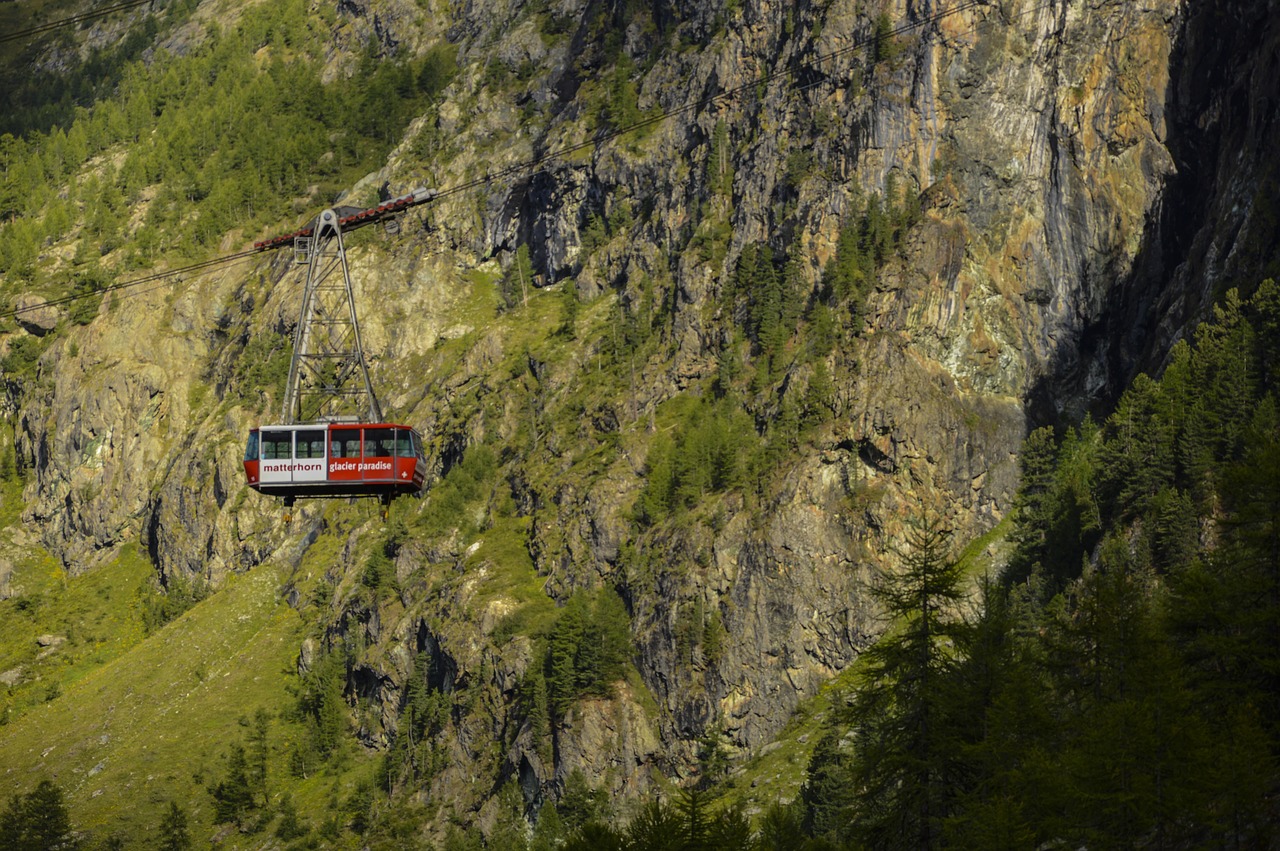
328 376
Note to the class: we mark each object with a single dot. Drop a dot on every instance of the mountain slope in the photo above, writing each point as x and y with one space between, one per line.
710 368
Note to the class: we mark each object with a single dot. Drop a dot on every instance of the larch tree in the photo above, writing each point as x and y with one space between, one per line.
905 749
174 835
37 821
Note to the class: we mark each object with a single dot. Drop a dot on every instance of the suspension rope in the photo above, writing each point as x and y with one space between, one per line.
73 20
532 166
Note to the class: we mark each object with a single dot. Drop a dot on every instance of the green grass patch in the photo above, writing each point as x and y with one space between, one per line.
985 552
777 771
155 723
482 307
59 629
510 576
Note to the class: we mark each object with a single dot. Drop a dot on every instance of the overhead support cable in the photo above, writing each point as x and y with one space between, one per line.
388 210
73 20
204 265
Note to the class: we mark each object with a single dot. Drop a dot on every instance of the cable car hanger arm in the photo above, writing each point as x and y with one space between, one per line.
355 219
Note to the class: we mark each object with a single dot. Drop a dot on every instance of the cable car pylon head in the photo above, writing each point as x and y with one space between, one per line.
386 211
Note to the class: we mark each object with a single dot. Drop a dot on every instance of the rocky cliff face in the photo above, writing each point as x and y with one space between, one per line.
1214 225
1077 175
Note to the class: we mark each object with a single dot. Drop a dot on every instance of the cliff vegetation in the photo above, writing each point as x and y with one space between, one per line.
795 475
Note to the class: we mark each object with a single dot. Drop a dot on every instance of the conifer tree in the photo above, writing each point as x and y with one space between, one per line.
37 821
781 828
692 806
549 832
256 767
730 830
562 666
906 753
233 795
596 836
1007 728
885 46
174 835
290 826
537 708
842 277
826 798
569 318
1130 751
657 827
581 803
1137 456
510 830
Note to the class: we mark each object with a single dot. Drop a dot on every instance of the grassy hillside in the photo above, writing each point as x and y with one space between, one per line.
124 723
680 424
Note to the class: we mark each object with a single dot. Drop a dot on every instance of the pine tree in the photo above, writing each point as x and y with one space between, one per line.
693 807
622 108
611 627
658 497
1010 785
329 705
596 836
906 754
656 827
1225 376
359 808
510 830
549 832
233 795
1137 456
843 276
1226 609
174 835
37 821
256 768
713 756
537 708
562 657
820 395
827 795
781 828
730 830
581 803
290 826
569 317
1074 522
885 45
764 299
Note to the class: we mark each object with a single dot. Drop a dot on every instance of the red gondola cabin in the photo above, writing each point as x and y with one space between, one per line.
298 461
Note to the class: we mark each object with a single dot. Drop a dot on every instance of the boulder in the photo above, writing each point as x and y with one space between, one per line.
35 314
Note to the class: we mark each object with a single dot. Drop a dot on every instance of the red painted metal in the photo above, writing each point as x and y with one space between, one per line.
335 460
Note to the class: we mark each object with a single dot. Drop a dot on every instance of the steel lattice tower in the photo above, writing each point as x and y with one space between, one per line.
328 376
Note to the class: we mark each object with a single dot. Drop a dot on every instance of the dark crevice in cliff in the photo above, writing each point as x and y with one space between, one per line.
1215 224
1213 228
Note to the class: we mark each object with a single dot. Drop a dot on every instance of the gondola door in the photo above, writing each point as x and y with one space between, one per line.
290 455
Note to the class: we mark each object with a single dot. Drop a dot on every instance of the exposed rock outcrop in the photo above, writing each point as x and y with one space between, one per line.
1057 151
35 314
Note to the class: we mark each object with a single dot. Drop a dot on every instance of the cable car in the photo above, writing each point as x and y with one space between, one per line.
332 441
335 459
